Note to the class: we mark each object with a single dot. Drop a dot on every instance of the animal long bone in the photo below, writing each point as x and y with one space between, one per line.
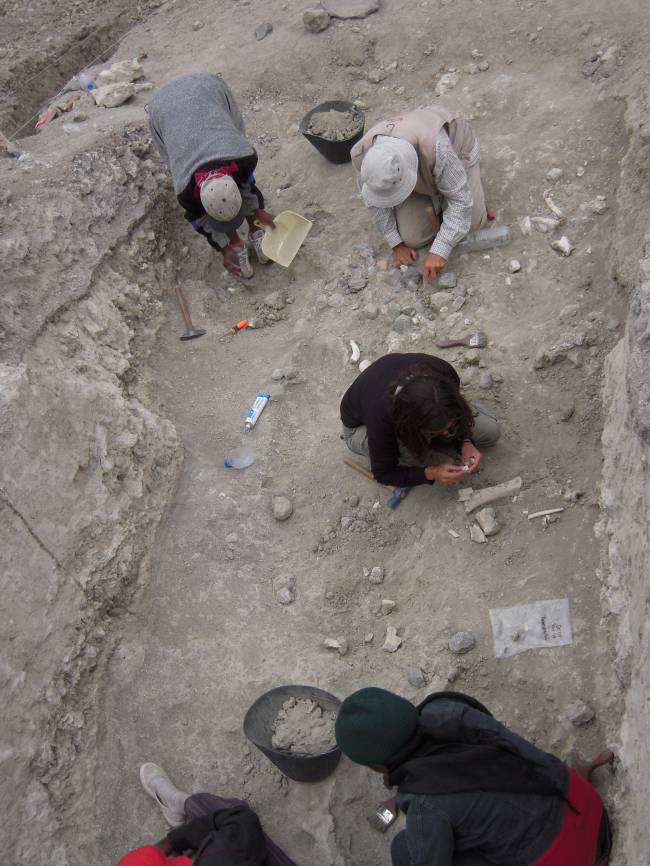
491 494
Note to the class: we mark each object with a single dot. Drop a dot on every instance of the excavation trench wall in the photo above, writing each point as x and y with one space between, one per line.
87 465
626 483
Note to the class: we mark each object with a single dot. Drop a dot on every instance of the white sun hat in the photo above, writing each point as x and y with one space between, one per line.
221 198
389 172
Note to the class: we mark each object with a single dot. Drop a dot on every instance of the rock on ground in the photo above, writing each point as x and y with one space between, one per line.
462 642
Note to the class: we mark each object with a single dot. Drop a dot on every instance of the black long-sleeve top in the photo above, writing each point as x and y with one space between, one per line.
495 827
368 401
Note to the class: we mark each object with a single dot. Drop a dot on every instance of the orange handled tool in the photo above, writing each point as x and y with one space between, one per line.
238 326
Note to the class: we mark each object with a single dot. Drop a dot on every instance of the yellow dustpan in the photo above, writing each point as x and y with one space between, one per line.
282 243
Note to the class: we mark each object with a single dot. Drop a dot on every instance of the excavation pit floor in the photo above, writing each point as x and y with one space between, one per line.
206 634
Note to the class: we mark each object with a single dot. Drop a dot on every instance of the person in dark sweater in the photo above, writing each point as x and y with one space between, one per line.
219 831
474 793
408 409
199 131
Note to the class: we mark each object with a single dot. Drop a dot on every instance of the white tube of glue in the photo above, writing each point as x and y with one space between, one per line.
255 411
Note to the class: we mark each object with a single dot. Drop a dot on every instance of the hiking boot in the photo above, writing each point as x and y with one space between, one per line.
159 786
256 241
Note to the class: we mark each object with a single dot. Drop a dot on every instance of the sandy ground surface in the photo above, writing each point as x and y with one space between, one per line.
206 635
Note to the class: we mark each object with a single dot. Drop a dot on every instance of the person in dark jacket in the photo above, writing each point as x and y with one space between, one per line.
406 413
219 831
199 131
474 793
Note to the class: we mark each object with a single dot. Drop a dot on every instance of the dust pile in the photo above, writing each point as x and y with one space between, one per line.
303 728
335 125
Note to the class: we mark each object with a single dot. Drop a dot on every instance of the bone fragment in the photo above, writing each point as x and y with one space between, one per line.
477 534
356 352
550 204
491 494
453 533
544 513
563 246
393 641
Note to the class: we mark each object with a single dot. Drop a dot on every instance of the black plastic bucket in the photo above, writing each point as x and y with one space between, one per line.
335 151
257 727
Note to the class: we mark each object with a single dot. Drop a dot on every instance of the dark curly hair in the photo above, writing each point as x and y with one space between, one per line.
425 401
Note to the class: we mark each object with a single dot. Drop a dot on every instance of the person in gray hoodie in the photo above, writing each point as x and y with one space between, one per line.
199 131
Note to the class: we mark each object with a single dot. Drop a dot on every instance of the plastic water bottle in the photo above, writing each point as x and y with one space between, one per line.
485 239
255 411
85 80
239 458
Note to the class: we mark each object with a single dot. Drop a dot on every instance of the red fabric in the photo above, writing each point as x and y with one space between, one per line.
575 844
149 855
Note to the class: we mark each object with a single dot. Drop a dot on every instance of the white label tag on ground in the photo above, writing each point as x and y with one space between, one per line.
531 626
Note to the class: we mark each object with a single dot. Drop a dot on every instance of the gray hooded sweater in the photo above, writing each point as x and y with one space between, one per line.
194 120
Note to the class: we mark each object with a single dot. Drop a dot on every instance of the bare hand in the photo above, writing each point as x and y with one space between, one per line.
264 217
433 264
446 473
403 255
471 457
231 260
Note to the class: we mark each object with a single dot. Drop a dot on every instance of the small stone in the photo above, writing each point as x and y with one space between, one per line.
472 357
353 501
285 596
514 266
483 66
439 300
112 95
285 590
415 530
554 173
597 205
563 246
387 606
392 641
371 311
458 303
447 280
376 575
525 226
470 69
477 534
356 282
339 644
402 324
462 642
416 678
486 519
255 324
454 672
612 324
197 25
282 508
376 75
350 8
316 20
486 381
336 300
263 30
579 713
278 374
363 365
275 301
369 637
580 171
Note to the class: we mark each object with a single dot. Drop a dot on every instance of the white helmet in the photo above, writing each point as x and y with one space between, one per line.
221 198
